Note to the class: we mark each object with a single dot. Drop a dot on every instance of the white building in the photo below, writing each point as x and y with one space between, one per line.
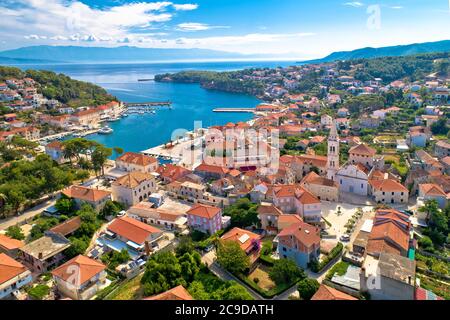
131 161
353 178
133 187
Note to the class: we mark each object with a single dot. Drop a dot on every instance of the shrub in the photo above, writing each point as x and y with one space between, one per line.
39 292
256 280
285 271
307 288
15 232
317 266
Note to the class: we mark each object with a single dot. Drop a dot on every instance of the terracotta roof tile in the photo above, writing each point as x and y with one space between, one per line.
86 269
204 211
132 179
131 229
362 149
85 193
177 293
10 243
9 268
137 159
328 293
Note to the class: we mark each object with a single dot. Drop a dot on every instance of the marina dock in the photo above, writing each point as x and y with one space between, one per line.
246 110
148 104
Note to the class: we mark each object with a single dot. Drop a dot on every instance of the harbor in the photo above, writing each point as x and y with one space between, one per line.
239 110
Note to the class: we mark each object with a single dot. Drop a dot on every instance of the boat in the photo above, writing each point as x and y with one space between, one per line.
141 112
105 130
153 111
125 115
113 119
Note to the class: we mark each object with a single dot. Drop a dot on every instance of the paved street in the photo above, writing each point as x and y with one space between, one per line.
28 214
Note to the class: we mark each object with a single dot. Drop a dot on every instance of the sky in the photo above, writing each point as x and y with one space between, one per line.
300 28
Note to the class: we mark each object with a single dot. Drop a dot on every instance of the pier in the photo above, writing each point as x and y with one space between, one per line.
246 110
147 104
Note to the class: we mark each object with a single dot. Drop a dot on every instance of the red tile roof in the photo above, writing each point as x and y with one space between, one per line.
137 159
10 243
211 169
387 185
85 193
238 235
9 268
204 211
68 227
304 233
328 293
84 267
131 229
177 293
431 189
362 149
132 179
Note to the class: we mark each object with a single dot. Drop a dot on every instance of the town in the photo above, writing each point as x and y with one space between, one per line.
337 189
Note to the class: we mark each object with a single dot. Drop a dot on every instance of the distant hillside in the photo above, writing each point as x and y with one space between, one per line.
123 53
394 51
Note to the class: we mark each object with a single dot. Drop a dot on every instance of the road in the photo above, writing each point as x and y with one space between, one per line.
28 214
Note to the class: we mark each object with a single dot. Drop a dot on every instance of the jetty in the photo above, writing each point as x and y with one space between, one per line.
246 110
147 104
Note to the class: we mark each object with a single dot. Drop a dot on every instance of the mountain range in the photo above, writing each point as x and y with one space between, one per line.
392 51
77 54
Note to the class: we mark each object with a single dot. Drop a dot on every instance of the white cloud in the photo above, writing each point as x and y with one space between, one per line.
195 26
75 21
185 7
396 7
355 4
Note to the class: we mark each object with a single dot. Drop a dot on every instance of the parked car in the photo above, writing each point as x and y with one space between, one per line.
209 248
345 237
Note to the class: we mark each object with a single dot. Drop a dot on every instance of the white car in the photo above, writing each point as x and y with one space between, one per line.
345 237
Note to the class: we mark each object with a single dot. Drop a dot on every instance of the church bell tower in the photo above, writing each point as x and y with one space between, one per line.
333 152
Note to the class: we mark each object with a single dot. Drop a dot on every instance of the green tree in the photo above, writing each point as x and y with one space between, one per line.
99 157
65 205
15 232
231 257
307 288
77 247
235 292
117 151
185 245
440 127
285 271
426 244
111 208
162 272
243 213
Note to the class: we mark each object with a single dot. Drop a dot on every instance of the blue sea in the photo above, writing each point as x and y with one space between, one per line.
190 102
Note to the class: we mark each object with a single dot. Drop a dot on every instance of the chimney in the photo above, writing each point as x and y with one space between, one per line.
148 249
40 255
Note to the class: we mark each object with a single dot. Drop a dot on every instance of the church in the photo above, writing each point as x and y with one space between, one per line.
353 176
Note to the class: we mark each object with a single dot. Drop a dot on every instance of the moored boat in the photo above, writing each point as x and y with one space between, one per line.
105 130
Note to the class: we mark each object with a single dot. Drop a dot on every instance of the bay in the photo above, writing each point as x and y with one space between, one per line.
190 102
